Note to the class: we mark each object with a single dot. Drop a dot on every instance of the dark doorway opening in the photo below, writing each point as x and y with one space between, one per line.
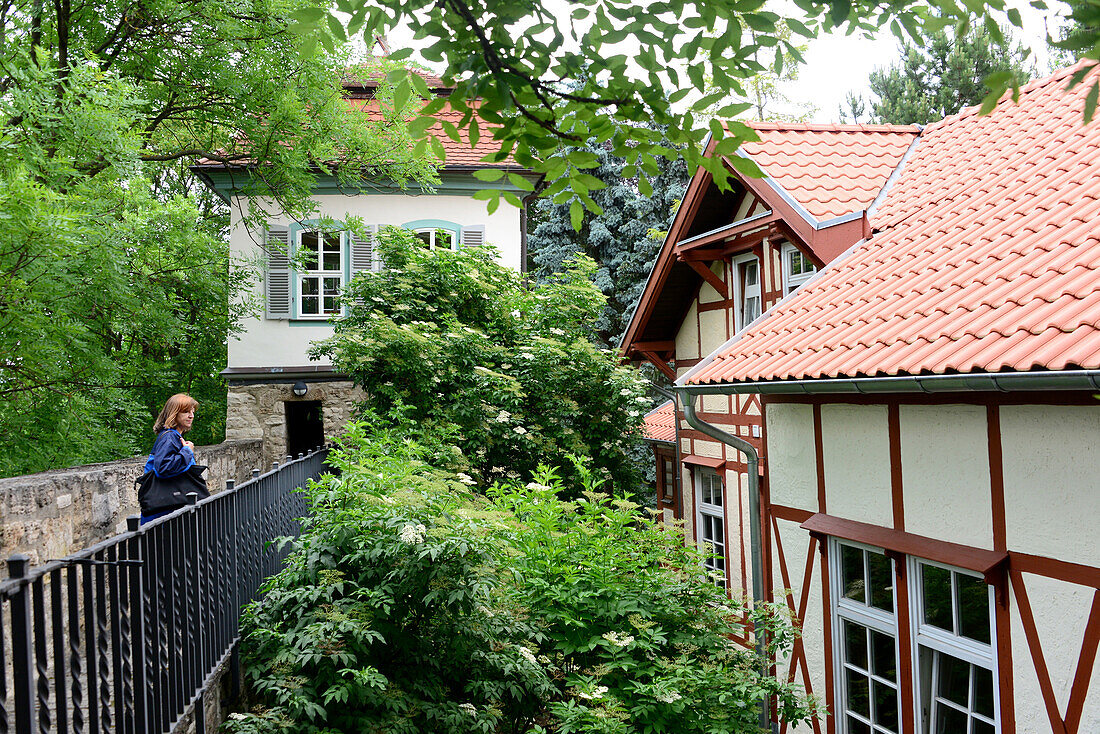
305 430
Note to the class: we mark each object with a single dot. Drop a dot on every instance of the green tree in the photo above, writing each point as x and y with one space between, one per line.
462 347
115 281
938 79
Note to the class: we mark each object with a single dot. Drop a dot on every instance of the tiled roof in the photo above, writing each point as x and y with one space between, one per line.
831 170
987 259
367 76
459 152
660 423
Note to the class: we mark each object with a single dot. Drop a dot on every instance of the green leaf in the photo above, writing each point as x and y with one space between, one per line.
1090 102
576 215
308 16
520 182
839 11
401 95
488 174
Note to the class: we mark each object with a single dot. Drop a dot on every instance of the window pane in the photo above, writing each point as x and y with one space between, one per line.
886 706
954 683
332 286
425 237
949 721
751 273
936 583
851 573
308 251
855 726
881 581
858 693
330 304
973 601
983 692
980 727
884 656
310 286
309 305
715 490
752 309
331 261
332 242
855 644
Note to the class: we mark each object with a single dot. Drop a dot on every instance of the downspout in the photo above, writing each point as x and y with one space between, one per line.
676 433
753 461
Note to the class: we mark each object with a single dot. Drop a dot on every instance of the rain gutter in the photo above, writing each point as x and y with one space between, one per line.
753 462
969 382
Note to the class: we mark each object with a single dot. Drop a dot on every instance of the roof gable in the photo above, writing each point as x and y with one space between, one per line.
986 259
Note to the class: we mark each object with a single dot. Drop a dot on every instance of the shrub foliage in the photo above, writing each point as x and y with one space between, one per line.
413 604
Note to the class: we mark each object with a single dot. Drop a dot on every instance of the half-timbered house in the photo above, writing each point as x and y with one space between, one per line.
930 503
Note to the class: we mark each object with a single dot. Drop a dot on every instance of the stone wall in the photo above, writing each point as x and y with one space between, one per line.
51 514
259 412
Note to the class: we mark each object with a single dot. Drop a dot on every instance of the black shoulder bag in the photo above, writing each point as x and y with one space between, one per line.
158 494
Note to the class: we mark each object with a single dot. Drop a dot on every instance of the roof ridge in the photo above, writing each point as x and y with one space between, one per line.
831 127
1032 86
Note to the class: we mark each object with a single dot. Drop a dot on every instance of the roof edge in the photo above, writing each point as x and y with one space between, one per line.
965 382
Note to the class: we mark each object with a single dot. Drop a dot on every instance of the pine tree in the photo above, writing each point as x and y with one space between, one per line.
623 240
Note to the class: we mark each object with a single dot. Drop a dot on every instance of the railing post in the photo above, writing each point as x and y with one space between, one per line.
137 623
22 662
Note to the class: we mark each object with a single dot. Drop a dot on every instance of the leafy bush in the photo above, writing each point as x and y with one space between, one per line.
459 345
413 604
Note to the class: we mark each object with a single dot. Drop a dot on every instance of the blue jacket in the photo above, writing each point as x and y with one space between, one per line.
169 457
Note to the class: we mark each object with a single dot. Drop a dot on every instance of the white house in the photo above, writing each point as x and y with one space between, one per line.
929 505
275 391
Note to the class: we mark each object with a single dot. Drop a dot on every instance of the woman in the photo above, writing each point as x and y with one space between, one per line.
163 488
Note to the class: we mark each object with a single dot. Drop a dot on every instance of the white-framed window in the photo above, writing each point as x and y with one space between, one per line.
711 519
953 624
865 620
951 616
797 268
320 273
746 273
435 237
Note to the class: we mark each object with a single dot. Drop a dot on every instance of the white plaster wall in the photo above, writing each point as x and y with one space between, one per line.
945 473
710 449
1052 480
707 294
716 404
687 480
273 343
687 338
1061 611
792 464
856 448
712 330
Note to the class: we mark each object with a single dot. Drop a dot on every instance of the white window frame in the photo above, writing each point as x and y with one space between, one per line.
708 514
743 293
922 635
791 280
864 615
433 233
320 274
949 643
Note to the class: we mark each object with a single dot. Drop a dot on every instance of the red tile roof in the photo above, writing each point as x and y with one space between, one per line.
830 170
660 423
986 259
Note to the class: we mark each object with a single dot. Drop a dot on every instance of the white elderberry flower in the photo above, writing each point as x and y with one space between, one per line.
468 708
597 692
670 697
515 314
520 430
503 417
625 391
537 486
412 534
618 640
528 655
558 332
466 479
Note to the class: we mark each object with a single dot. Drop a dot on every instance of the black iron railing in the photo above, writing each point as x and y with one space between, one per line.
126 635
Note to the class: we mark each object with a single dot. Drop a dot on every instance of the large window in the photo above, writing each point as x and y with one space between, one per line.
749 303
321 272
666 478
712 525
437 237
951 618
797 269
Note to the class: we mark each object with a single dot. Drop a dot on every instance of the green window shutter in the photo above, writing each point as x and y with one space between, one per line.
362 251
277 277
473 236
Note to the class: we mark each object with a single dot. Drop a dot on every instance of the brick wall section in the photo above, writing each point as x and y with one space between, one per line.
51 514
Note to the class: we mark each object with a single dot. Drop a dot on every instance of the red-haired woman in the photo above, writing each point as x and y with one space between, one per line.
172 456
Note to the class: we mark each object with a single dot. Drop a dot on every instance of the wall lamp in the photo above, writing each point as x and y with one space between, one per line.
299 388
